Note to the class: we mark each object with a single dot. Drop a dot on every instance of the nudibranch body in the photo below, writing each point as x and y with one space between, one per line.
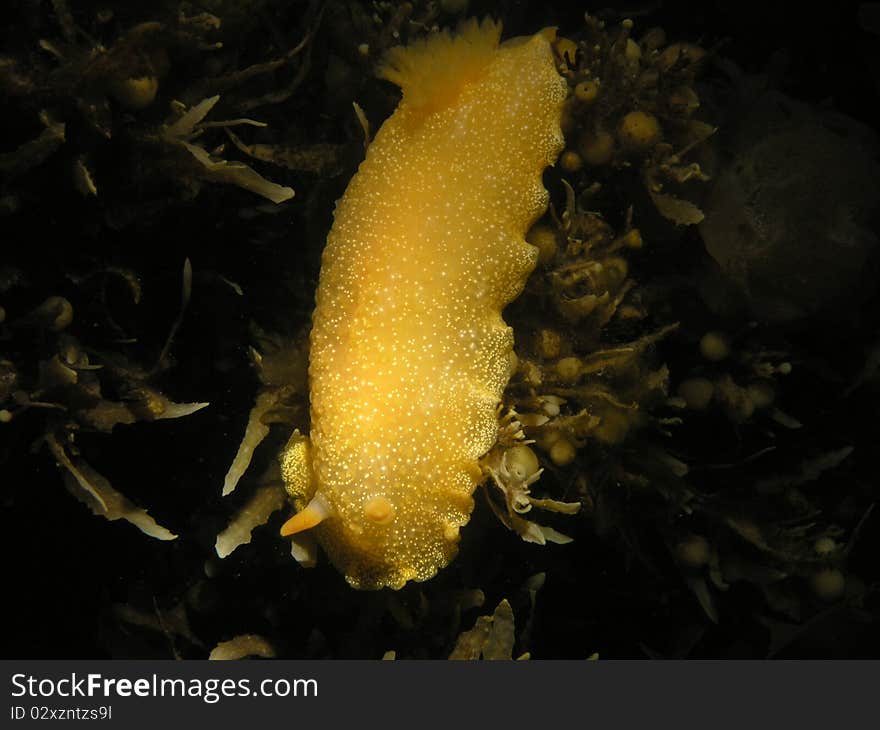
409 352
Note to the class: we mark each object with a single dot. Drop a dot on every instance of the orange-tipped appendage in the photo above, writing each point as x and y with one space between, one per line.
314 513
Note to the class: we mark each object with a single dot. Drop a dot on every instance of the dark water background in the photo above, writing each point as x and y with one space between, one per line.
65 570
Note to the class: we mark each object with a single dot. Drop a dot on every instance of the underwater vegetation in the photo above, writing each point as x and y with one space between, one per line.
649 432
73 386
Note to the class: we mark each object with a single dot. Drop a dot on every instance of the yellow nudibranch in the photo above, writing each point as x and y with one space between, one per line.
409 355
